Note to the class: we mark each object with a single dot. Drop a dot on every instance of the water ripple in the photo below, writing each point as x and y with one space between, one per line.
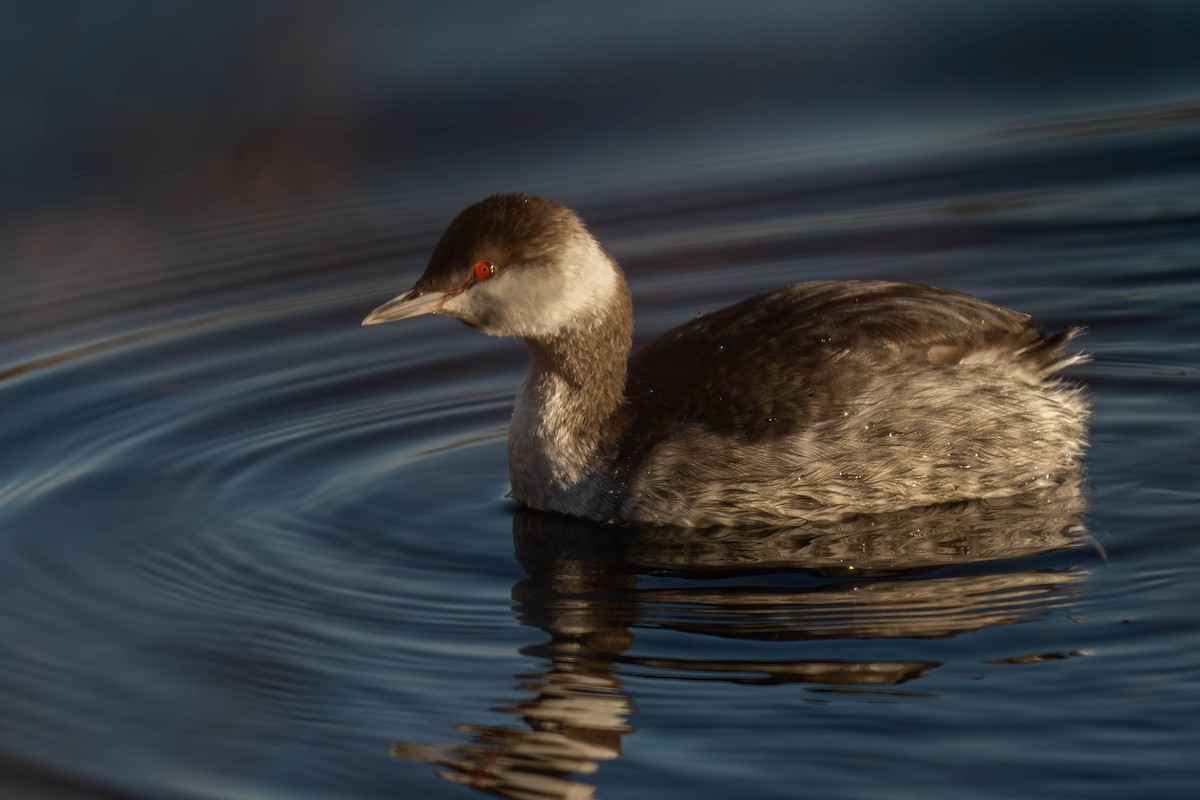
228 508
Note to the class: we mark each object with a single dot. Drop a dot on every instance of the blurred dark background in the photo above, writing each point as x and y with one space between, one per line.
188 100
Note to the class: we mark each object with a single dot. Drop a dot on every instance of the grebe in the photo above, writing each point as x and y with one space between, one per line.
817 400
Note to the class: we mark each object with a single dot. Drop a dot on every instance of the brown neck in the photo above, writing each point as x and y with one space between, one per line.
588 364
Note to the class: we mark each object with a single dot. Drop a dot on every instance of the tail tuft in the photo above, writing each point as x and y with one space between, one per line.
1051 355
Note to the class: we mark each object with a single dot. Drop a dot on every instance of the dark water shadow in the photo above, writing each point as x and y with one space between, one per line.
928 573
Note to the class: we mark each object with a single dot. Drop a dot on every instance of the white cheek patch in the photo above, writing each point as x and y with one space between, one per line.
587 281
540 303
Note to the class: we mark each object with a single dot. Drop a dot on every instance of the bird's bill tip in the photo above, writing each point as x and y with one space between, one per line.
413 303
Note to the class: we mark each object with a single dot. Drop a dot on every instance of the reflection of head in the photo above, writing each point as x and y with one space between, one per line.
575 721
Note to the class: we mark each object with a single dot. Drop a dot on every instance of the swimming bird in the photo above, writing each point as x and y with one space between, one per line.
818 400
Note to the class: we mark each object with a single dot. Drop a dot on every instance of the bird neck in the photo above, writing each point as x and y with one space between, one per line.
585 365
568 417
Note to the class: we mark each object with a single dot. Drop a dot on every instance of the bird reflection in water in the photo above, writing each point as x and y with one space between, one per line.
879 577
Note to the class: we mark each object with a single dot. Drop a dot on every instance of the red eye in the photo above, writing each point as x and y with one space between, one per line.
484 270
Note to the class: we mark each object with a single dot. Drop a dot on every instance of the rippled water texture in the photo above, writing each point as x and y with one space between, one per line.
249 549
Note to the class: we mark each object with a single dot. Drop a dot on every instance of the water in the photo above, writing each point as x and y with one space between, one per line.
250 549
